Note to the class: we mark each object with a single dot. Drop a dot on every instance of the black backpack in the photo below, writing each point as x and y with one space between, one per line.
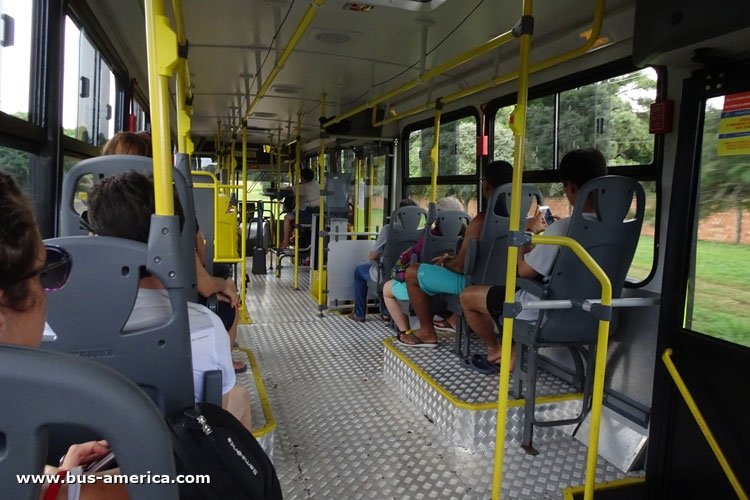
209 440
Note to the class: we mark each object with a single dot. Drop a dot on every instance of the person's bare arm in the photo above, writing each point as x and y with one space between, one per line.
524 269
208 285
200 246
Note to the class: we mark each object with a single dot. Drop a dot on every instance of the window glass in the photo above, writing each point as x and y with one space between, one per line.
15 57
89 90
610 115
458 150
717 301
466 194
643 261
16 164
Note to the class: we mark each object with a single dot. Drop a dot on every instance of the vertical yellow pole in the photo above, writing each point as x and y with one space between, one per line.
435 150
519 133
295 177
357 178
370 191
244 313
321 211
161 48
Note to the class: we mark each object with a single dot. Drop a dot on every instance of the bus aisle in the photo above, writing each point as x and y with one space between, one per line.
344 431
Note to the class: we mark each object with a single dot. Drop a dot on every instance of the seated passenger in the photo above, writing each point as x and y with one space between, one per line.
481 303
445 274
309 201
27 269
121 206
368 272
223 287
394 289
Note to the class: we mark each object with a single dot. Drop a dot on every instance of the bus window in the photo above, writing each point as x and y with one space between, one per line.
89 90
15 59
16 164
719 288
610 115
466 194
458 149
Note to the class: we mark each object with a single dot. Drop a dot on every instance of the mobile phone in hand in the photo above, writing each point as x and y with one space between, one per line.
548 218
102 463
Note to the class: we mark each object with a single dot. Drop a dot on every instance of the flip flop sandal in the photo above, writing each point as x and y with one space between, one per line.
479 363
417 342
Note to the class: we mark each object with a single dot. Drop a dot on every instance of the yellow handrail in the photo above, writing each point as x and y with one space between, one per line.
321 211
519 131
428 75
596 26
435 153
304 23
702 424
597 395
295 180
244 313
161 44
183 92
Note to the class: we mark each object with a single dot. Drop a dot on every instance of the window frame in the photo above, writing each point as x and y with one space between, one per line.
649 173
467 111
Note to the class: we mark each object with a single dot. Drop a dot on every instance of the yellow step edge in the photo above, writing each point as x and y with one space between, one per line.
489 405
270 425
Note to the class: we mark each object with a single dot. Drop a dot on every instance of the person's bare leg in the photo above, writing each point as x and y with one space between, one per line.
394 309
474 305
422 305
288 227
237 402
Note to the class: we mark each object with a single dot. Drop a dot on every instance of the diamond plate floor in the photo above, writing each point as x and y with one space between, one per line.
344 433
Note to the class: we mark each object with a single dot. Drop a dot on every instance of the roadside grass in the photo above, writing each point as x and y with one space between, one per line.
721 307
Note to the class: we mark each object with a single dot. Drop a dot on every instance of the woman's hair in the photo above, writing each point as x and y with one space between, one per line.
450 203
128 143
19 241
121 205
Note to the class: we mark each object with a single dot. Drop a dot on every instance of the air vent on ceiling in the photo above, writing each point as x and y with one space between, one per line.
414 5
333 36
285 89
262 114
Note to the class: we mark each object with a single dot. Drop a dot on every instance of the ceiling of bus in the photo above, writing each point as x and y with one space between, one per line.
378 50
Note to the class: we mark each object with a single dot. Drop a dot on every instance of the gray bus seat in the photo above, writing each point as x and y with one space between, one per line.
89 313
451 224
105 166
486 257
610 238
41 391
404 230
203 200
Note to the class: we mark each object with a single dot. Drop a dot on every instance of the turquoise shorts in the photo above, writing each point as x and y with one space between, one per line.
399 290
437 279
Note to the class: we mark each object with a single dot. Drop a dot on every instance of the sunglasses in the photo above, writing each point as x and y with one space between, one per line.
56 270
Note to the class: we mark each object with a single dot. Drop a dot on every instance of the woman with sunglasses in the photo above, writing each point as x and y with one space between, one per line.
28 268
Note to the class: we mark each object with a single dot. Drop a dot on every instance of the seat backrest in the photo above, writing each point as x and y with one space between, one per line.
451 225
104 166
486 258
610 236
203 198
88 314
338 188
42 390
404 230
